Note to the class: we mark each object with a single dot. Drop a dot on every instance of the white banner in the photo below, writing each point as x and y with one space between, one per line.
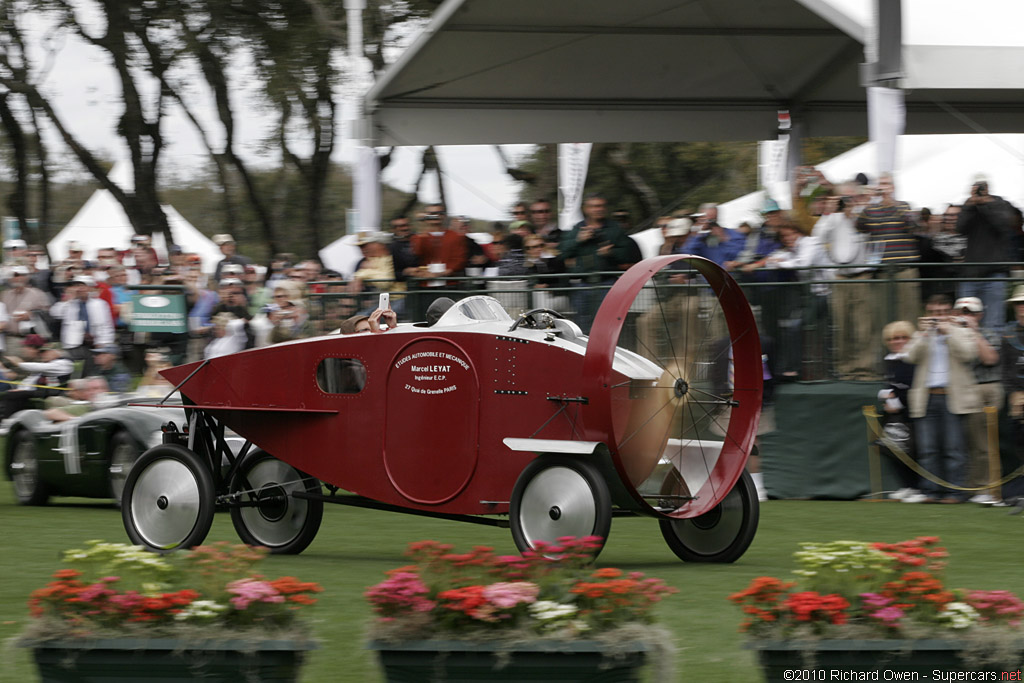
772 161
573 161
887 118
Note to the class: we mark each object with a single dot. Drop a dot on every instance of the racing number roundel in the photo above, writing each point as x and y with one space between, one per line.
430 447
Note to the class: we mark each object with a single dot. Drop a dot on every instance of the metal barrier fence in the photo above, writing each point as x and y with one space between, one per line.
812 327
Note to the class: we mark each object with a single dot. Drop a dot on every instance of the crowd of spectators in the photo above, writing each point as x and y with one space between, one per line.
72 320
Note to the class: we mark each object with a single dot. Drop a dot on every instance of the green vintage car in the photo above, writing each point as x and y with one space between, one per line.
89 456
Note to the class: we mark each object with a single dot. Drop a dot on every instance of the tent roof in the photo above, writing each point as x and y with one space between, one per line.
533 71
102 222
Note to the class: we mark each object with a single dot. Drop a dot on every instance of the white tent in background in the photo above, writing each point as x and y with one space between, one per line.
932 171
102 222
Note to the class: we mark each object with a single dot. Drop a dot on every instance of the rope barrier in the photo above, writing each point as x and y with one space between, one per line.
877 436
34 386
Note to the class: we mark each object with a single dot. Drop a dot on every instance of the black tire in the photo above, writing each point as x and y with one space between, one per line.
124 452
23 469
286 525
722 534
559 496
168 500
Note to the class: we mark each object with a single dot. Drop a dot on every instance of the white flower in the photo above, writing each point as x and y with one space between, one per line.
959 615
200 610
546 610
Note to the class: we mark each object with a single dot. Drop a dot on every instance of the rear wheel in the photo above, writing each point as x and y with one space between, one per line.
557 496
168 500
270 516
123 454
723 533
24 470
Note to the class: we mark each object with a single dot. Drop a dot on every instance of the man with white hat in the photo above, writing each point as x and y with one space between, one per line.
15 253
228 247
969 312
24 303
85 319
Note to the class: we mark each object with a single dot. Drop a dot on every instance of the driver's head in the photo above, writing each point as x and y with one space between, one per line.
438 308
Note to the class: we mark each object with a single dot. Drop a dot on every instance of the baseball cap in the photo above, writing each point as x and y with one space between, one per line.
33 340
20 270
678 227
229 281
232 269
15 244
222 238
770 206
971 303
139 239
84 279
371 236
75 246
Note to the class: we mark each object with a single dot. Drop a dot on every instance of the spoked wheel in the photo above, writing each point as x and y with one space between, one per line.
168 499
723 533
557 496
674 360
269 515
29 488
123 454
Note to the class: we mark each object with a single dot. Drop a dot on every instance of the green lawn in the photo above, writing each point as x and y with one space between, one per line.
356 546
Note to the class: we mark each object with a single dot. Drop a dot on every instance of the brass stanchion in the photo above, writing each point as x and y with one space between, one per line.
994 463
874 459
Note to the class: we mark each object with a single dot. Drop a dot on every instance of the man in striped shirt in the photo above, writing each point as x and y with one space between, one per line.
886 223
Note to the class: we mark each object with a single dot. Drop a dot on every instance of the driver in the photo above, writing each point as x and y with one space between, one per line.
82 397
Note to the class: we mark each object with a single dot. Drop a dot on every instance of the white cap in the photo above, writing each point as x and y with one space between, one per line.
15 244
971 303
678 227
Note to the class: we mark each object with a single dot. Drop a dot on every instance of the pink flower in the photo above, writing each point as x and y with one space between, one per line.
248 591
509 594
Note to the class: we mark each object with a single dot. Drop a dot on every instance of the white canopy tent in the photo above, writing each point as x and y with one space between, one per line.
932 171
492 71
102 222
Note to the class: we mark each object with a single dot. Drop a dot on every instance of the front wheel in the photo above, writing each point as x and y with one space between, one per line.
557 496
723 533
168 500
269 516
24 469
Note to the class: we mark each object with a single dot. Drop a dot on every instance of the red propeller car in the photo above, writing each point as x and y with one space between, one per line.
526 423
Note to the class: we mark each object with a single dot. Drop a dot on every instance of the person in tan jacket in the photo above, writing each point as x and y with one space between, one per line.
942 394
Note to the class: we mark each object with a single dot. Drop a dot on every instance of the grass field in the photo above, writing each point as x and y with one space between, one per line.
354 548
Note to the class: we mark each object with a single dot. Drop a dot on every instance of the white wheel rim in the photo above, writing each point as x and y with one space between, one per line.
276 524
558 501
713 532
165 503
24 469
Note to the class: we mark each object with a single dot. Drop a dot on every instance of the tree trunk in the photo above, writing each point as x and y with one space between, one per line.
618 157
17 202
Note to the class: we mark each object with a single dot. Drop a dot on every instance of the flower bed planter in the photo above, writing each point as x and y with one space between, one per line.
779 659
539 661
84 660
